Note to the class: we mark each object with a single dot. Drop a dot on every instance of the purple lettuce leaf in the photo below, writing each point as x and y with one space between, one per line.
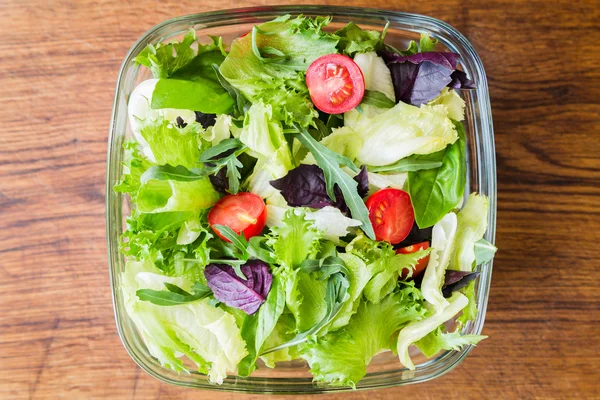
420 77
460 81
305 186
456 280
247 295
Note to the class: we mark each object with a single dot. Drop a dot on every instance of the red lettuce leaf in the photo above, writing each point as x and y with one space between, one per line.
247 295
420 77
456 280
305 186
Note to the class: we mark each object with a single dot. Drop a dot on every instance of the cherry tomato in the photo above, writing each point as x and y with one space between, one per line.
421 264
391 214
336 84
243 212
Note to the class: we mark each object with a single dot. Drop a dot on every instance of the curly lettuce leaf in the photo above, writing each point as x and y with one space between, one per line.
417 330
353 39
437 341
340 358
269 64
453 103
295 240
165 59
168 195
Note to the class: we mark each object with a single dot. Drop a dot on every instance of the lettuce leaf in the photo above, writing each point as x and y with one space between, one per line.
417 330
295 240
269 64
206 335
401 131
283 332
472 224
376 73
329 220
453 103
442 244
353 40
437 341
263 135
164 59
165 196
340 358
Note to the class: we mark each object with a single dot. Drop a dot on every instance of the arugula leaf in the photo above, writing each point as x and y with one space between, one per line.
257 327
246 250
168 172
329 162
408 164
229 150
377 99
174 295
434 192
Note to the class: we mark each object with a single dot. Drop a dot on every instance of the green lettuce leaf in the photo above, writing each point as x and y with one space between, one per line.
134 165
295 241
269 64
173 145
401 131
442 244
470 311
164 59
284 331
165 196
377 78
208 336
263 135
427 43
453 102
340 358
484 251
437 341
472 224
353 40
417 330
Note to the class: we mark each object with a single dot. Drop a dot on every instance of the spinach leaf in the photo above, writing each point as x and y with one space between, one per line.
377 99
174 295
201 94
257 327
434 192
330 161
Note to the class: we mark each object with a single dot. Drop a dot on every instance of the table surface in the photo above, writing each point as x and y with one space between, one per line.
58 66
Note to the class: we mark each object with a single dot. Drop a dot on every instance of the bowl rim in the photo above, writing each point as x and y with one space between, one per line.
421 23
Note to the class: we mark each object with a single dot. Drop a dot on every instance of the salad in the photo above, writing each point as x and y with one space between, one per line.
298 194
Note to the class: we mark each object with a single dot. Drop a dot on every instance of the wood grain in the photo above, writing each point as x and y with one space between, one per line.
58 66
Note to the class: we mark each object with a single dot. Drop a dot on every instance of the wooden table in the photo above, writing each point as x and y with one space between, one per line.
58 66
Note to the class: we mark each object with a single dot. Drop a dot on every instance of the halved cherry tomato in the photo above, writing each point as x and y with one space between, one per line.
243 212
421 264
336 84
391 214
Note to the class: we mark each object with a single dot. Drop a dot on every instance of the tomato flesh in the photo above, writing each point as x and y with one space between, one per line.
335 83
243 212
391 214
421 264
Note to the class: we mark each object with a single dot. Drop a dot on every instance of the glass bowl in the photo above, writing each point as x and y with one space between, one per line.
293 377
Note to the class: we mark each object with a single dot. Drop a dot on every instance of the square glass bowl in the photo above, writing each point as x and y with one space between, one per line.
293 377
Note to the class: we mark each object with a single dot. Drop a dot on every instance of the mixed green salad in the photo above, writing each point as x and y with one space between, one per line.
298 194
